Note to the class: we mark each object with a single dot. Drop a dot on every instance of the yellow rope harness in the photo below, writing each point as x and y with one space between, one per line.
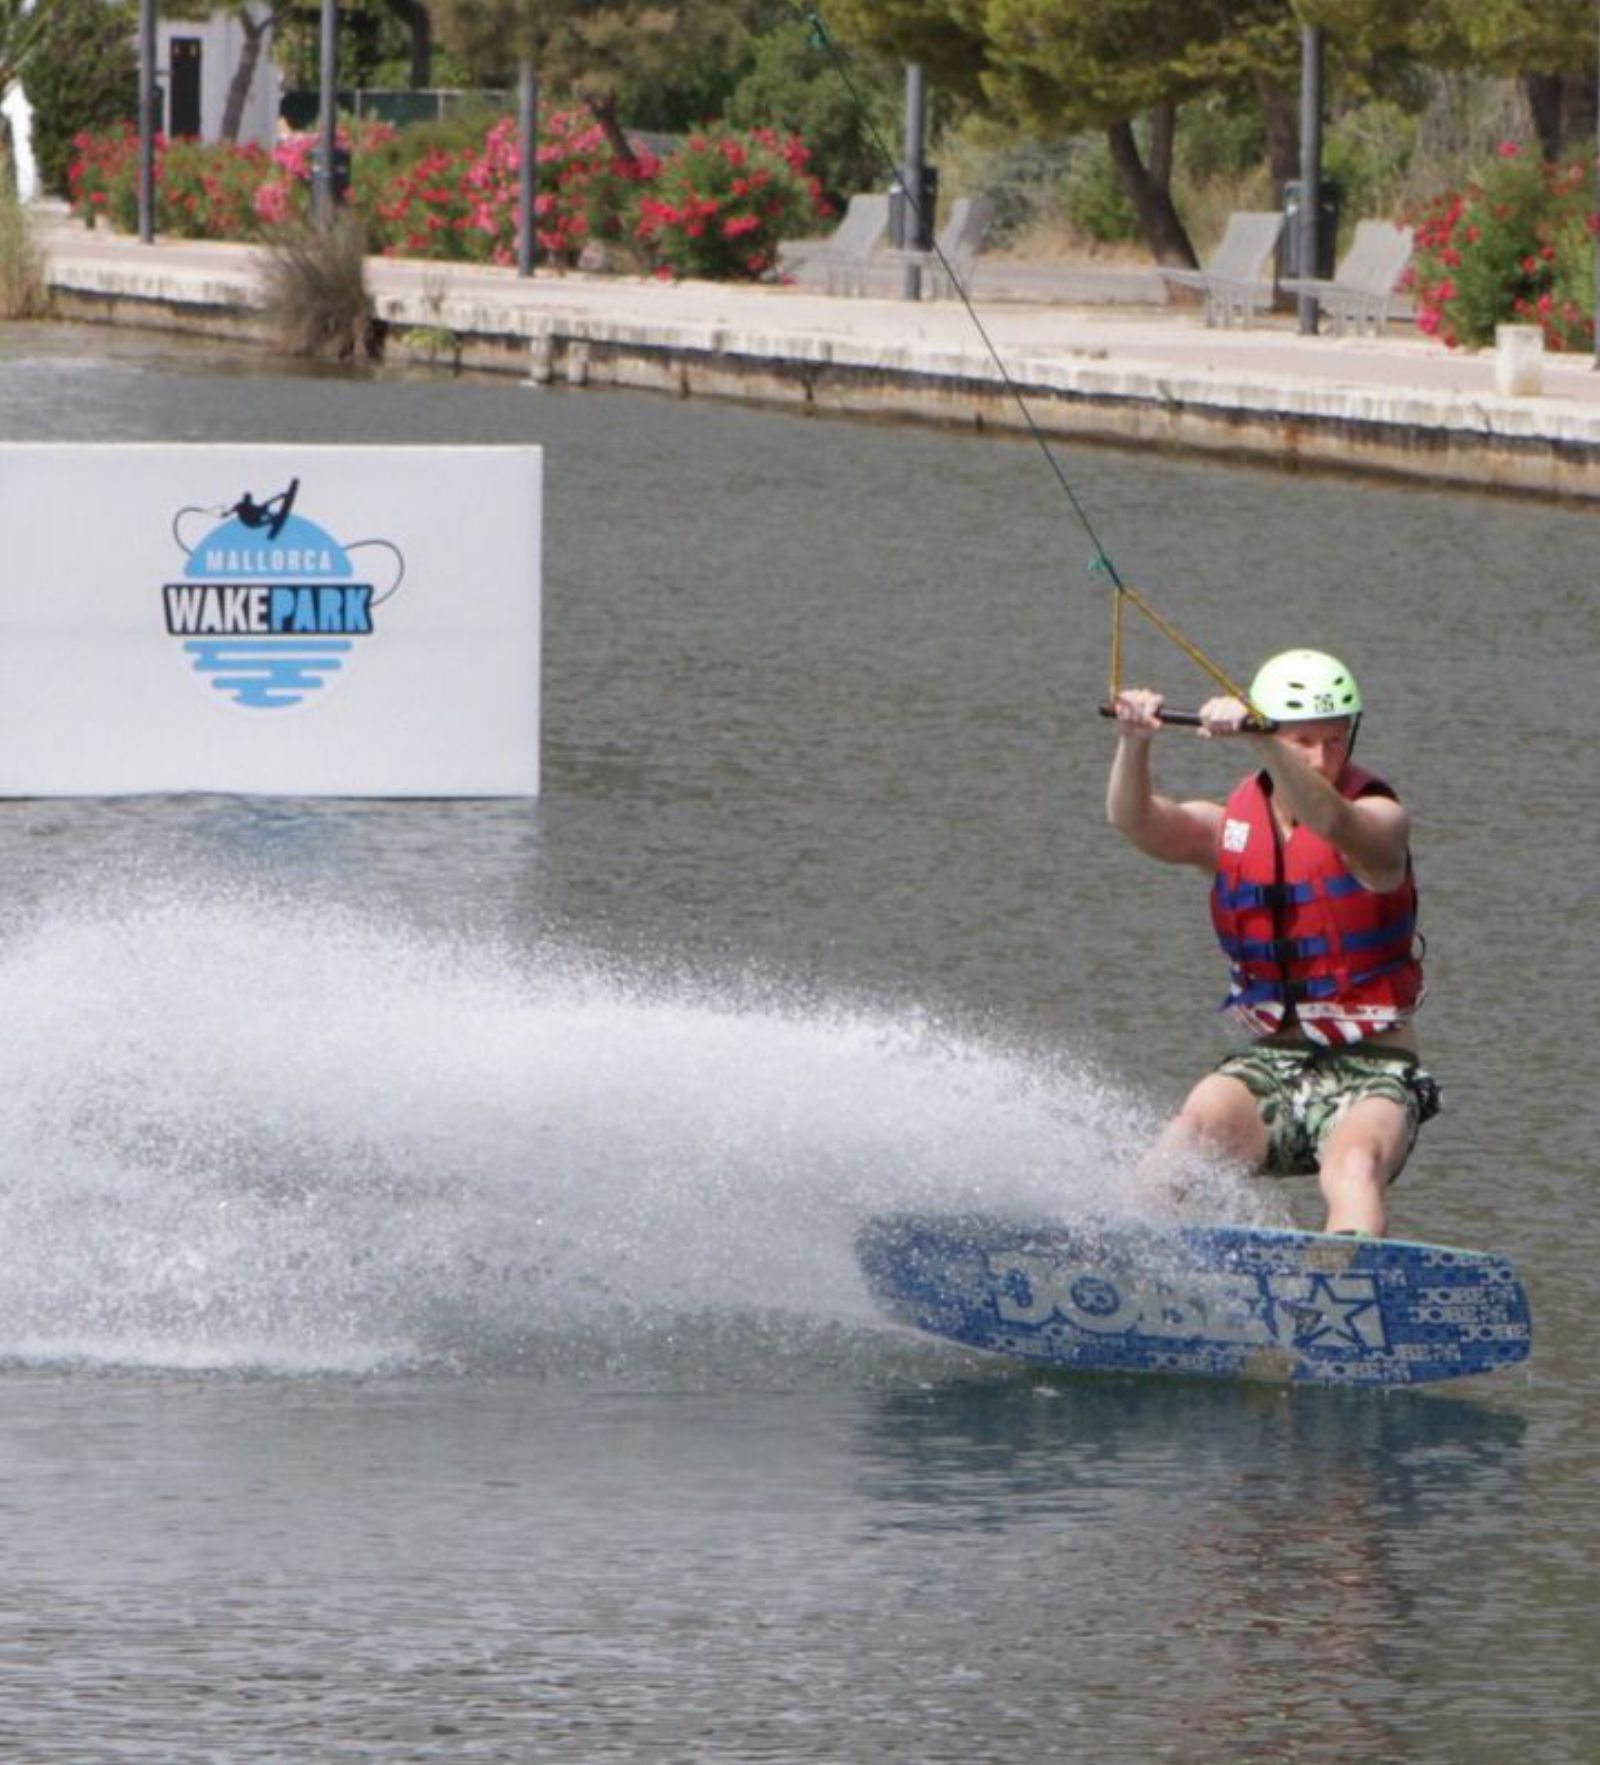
1121 594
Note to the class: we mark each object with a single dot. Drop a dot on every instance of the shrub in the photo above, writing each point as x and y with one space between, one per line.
1512 247
790 86
315 292
1369 152
206 190
721 203
587 194
23 294
284 194
102 181
1094 201
716 208
83 75
202 190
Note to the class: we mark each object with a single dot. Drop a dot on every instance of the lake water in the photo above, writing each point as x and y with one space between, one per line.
429 1329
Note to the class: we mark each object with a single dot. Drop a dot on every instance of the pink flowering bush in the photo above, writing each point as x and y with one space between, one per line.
587 193
450 205
461 203
717 207
285 192
102 177
721 203
1513 247
202 191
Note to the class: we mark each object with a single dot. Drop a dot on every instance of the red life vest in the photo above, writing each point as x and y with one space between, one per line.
1300 932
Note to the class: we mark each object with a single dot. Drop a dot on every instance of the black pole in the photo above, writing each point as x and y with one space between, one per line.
328 122
1310 223
919 229
528 166
1596 249
147 121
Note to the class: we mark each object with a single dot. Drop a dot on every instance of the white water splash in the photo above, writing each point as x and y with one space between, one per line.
235 1133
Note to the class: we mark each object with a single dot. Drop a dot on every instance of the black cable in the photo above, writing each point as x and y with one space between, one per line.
823 39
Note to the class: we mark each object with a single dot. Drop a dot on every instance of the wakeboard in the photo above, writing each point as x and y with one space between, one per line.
1229 1302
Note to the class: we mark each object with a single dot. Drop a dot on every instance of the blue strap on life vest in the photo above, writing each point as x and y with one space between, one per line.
1273 949
1390 932
1248 895
1312 988
1282 950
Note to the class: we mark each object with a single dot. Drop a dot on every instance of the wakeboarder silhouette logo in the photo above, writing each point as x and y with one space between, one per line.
271 607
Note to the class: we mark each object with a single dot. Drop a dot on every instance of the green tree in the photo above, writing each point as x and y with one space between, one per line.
789 87
625 56
85 76
381 42
1548 46
257 24
1054 67
22 28
1062 66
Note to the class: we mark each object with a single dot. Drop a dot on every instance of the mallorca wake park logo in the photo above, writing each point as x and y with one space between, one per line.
272 607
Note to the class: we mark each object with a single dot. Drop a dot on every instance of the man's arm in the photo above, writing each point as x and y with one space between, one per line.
1160 826
1372 834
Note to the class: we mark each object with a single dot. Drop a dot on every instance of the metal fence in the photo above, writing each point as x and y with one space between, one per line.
300 109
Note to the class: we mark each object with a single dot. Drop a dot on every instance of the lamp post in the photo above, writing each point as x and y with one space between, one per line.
918 228
1310 217
328 132
528 165
147 121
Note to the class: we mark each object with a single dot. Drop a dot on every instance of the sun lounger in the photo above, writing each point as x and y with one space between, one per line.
954 259
1232 282
841 257
1364 281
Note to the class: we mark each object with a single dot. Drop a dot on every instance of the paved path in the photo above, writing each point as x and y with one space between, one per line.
1114 369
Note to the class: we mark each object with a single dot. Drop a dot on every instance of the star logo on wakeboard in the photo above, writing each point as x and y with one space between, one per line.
1323 1317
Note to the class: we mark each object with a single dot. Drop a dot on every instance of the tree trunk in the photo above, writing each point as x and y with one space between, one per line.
255 35
1158 219
603 108
1580 103
1543 92
1280 111
414 16
1163 130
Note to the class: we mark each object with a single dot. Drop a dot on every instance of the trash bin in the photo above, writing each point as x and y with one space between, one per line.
1327 231
908 230
341 170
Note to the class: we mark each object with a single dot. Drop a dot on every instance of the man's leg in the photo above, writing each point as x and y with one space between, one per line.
1361 1157
1220 1119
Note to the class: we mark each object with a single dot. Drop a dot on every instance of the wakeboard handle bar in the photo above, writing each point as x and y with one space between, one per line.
1191 720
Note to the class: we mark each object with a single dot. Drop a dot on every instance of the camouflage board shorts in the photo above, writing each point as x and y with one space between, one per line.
1303 1088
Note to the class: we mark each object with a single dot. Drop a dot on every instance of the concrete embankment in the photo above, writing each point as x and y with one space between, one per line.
1137 375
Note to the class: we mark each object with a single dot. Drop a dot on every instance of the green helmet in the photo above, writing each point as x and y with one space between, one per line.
1300 686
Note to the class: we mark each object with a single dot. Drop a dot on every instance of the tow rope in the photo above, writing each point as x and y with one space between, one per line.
1122 595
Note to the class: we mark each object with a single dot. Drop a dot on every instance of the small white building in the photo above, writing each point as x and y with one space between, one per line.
195 65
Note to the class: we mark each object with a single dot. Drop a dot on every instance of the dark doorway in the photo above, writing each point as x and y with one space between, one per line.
184 116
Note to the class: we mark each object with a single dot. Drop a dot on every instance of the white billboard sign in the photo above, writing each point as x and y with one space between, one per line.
304 621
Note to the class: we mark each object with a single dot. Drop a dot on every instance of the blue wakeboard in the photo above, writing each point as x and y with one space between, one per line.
1221 1302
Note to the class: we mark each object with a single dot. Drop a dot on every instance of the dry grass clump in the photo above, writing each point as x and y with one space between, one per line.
314 288
23 294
